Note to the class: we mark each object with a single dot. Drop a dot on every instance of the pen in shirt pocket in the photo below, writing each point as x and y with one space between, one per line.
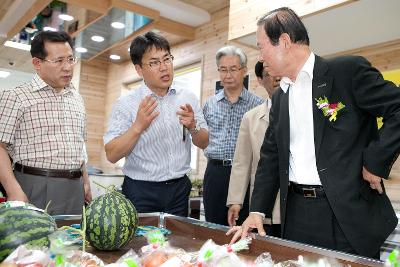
183 133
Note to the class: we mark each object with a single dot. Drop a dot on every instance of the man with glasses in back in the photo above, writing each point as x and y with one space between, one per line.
42 128
223 113
153 127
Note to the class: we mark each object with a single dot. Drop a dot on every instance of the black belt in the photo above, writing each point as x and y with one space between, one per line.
225 162
173 181
308 191
71 174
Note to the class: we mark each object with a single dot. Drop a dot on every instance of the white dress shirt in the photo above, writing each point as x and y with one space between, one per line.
302 162
160 154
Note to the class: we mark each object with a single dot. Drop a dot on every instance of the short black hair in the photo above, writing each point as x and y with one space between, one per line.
258 69
37 45
284 20
144 43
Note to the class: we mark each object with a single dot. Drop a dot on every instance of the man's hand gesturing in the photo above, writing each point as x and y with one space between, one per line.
146 113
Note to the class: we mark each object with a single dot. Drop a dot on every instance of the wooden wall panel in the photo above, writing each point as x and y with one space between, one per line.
384 56
4 6
244 14
210 5
92 86
240 22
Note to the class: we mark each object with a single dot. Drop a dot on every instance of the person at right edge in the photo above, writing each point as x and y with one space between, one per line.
322 148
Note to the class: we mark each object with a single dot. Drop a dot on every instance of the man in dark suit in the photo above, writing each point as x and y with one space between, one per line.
322 147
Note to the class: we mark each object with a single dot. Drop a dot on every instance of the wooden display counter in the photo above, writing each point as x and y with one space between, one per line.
191 234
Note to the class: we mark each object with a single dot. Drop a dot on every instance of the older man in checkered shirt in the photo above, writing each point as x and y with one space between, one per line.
42 128
223 113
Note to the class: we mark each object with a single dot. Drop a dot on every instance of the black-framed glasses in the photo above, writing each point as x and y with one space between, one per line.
156 64
59 62
224 71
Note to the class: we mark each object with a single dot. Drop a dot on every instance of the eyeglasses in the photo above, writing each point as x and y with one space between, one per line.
61 61
155 64
232 71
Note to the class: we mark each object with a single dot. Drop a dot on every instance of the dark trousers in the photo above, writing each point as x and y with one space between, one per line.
312 221
170 197
215 193
273 230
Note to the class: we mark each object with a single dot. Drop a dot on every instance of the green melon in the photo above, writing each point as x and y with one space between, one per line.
23 224
111 221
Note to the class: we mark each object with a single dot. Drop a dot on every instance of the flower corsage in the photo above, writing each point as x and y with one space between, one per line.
329 109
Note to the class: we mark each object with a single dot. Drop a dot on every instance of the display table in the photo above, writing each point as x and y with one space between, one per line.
191 234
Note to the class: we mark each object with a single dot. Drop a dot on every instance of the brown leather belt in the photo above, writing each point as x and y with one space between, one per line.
71 174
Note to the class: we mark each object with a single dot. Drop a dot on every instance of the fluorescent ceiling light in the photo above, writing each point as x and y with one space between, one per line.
49 29
97 38
80 49
22 46
115 57
117 25
4 74
66 17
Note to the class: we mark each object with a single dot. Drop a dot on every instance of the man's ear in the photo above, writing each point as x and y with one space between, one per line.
259 80
139 70
36 63
284 39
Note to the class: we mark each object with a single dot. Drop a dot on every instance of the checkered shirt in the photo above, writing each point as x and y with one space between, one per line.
223 120
43 128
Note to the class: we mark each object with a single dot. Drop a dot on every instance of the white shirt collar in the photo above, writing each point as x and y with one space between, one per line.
307 68
147 91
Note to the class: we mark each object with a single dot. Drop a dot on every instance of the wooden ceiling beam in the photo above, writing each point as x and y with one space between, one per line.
87 25
170 26
101 6
371 50
129 6
162 24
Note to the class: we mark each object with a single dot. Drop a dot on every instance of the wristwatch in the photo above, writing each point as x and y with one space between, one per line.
195 130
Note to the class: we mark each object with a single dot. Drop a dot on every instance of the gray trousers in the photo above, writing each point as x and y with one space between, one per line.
66 195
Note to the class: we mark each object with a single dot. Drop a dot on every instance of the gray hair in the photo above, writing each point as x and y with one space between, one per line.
231 50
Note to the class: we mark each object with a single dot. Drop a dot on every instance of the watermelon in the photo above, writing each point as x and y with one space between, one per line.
111 221
22 223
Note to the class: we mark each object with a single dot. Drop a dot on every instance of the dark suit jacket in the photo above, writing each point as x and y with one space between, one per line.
342 148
